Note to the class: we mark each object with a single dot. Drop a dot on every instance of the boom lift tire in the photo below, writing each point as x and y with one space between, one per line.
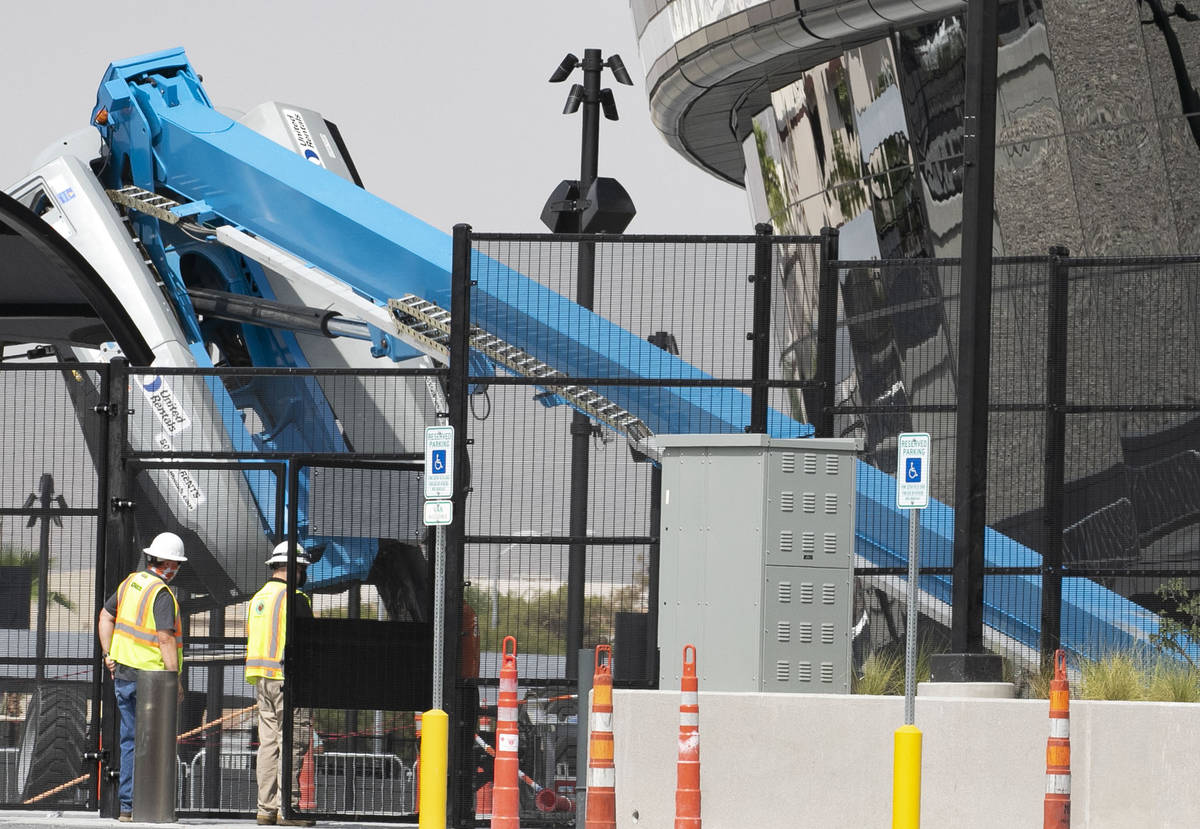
53 742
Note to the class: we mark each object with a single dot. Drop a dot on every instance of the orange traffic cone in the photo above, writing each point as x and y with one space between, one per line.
308 778
1057 811
601 773
506 799
687 777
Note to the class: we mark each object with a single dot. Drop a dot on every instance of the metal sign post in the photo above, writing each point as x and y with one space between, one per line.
912 494
439 487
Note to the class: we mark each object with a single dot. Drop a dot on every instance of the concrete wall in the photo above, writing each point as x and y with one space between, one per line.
778 760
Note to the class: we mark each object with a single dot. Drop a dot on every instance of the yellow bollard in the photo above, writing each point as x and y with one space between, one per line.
906 778
435 741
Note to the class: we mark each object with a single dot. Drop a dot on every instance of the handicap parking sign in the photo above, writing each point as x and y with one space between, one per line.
912 459
439 462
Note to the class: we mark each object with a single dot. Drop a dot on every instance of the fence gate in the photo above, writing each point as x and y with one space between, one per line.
52 521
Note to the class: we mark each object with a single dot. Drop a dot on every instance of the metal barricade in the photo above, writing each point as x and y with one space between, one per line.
238 787
9 791
380 784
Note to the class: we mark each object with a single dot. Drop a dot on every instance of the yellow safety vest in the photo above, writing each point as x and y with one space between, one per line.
266 625
135 636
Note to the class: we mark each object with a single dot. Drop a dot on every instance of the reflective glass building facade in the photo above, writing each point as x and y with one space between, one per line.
849 114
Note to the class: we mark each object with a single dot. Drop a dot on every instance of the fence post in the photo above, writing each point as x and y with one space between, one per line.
827 305
969 661
1055 452
760 337
456 399
116 537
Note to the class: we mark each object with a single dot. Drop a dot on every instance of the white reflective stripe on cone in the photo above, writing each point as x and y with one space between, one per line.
601 778
1058 784
1060 727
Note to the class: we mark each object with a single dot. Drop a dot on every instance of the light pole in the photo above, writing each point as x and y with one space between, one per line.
588 205
496 577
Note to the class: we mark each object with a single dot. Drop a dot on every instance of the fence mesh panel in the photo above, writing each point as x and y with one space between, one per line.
208 458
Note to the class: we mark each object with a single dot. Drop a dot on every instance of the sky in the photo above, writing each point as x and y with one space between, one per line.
445 106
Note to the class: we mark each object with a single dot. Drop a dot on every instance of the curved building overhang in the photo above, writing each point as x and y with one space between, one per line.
50 294
710 67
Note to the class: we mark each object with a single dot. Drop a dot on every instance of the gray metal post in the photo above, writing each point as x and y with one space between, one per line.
969 661
215 704
910 628
760 337
439 615
458 794
44 499
1053 500
827 305
154 763
585 663
116 507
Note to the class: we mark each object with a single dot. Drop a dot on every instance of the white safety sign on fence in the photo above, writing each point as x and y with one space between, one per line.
912 471
438 513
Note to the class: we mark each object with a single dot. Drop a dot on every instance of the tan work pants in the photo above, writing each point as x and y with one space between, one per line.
269 693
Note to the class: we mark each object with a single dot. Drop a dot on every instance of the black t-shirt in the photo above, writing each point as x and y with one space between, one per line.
164 619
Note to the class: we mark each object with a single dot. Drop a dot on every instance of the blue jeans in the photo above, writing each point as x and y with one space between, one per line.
127 706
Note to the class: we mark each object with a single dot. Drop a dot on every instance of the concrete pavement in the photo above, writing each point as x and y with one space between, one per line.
91 820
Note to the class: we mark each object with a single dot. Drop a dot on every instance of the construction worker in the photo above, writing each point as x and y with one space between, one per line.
139 630
266 627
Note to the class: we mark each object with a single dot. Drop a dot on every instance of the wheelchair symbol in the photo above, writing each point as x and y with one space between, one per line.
912 471
438 462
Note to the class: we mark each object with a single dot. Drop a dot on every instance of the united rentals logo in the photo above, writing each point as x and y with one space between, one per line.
260 607
167 408
299 128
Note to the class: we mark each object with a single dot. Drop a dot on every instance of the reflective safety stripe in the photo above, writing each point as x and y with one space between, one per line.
130 630
686 718
135 634
266 626
602 721
1060 729
508 684
507 714
601 778
690 698
262 662
1058 784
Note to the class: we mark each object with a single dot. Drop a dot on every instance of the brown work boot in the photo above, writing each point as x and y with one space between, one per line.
125 817
266 820
295 821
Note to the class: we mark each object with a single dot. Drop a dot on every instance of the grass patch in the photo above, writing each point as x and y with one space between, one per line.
1172 681
1118 676
881 673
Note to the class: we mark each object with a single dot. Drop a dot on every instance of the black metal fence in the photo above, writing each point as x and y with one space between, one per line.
1094 475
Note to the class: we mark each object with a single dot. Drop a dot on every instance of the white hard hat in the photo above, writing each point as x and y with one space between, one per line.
280 555
167 547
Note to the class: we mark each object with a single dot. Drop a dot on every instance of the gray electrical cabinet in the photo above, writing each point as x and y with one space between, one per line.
756 561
